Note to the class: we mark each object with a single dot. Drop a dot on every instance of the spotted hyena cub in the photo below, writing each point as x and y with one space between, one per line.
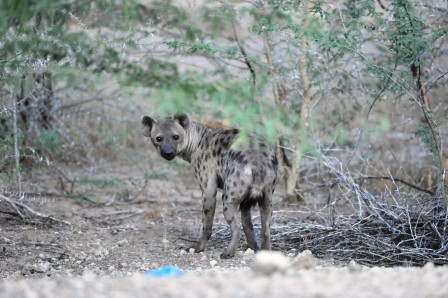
246 173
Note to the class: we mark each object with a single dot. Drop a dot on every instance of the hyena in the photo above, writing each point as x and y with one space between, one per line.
246 173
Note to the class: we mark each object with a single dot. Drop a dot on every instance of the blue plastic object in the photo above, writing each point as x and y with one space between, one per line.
166 271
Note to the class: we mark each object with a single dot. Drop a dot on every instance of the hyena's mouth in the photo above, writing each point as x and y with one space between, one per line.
168 155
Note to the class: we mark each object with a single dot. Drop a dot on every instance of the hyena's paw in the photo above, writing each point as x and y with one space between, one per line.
227 255
198 247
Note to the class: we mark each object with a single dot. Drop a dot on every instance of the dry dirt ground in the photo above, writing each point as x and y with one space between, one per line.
120 227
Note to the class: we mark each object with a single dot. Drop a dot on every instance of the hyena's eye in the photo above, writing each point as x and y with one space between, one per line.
159 139
176 137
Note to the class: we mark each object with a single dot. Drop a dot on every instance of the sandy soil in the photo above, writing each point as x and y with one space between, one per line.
120 228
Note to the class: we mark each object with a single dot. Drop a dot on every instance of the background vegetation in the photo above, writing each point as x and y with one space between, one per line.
352 94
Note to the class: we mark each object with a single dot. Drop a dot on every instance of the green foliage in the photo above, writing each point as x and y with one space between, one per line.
407 39
156 74
48 141
83 43
158 176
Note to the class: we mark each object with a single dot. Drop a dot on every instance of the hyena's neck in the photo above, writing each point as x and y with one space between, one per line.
195 132
200 138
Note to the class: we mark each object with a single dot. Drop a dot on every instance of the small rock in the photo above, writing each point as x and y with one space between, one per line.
353 266
249 252
42 267
269 262
204 258
429 266
122 242
305 260
191 250
82 256
182 252
213 263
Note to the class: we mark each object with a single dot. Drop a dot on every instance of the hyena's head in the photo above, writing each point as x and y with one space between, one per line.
169 135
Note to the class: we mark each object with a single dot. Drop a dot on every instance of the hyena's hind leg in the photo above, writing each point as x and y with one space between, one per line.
230 215
246 220
265 205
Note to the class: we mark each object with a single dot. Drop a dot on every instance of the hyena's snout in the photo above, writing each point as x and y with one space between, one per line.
168 152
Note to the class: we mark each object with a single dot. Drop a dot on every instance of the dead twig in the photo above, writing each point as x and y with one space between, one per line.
24 212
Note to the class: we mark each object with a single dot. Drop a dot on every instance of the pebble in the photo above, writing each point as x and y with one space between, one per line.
305 261
213 263
249 252
122 242
353 266
191 250
269 262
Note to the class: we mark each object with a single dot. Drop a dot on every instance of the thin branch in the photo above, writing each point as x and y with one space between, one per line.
430 192
16 142
436 81
244 54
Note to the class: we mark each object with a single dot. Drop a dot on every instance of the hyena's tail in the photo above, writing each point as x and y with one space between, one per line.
257 188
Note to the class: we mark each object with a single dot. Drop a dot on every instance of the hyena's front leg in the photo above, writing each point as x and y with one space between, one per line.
208 213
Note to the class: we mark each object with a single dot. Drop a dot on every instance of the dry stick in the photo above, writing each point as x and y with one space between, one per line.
244 53
306 102
426 109
16 143
397 180
16 204
285 165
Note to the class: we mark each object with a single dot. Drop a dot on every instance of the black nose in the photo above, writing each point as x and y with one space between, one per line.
168 153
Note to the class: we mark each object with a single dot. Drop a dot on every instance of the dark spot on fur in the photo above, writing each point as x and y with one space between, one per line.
238 174
225 209
234 184
241 160
232 193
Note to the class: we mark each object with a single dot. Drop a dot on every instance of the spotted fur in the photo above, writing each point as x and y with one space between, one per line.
246 174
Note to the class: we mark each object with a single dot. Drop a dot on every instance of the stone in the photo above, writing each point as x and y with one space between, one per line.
270 262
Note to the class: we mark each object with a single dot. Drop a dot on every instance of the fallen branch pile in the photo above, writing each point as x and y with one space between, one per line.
392 236
399 228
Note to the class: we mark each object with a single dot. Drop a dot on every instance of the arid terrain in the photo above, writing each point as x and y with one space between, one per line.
102 243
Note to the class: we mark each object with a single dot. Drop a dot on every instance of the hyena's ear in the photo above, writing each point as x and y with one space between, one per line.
183 120
147 123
